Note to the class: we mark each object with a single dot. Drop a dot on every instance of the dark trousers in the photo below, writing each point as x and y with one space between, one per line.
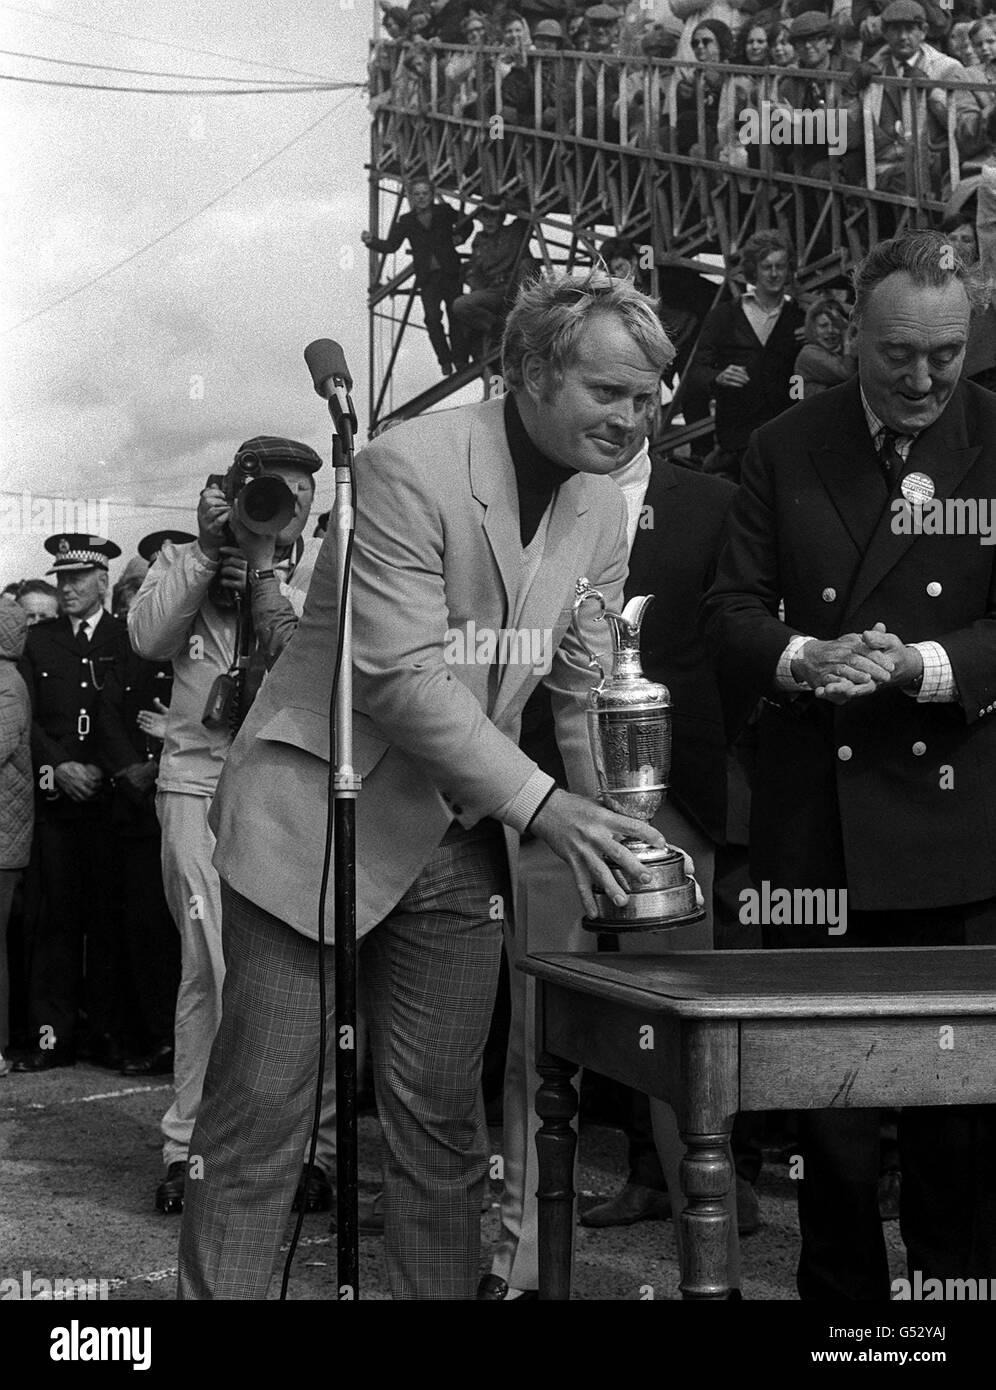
437 290
151 944
76 867
947 1154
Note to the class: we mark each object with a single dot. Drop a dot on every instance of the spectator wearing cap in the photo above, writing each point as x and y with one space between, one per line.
433 230
548 36
747 350
601 41
639 18
66 664
903 119
659 40
16 789
867 15
499 261
179 615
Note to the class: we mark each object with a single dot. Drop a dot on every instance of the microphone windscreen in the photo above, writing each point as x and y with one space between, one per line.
326 358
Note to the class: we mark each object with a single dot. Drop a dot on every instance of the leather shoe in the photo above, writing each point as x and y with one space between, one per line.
748 1209
314 1192
156 1063
45 1059
169 1193
634 1203
492 1289
889 1189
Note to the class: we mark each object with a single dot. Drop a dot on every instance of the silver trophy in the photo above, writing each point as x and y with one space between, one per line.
629 726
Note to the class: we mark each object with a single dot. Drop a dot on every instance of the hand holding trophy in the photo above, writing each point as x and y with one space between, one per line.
629 726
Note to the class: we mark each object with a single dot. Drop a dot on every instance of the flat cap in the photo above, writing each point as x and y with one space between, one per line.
904 12
809 25
601 14
548 29
270 448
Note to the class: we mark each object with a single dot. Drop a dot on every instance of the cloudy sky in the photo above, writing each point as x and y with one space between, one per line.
132 390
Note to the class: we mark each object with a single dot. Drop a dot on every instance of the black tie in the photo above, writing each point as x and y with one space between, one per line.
889 457
82 640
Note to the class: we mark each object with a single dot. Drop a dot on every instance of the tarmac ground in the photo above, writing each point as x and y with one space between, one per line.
80 1159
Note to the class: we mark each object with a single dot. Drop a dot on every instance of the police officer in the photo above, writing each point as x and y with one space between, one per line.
65 665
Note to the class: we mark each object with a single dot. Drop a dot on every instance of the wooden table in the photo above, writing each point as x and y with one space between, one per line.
714 1032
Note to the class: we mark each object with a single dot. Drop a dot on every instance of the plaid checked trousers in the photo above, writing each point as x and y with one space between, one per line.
430 971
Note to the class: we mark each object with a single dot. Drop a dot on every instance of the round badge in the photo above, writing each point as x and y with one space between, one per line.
917 488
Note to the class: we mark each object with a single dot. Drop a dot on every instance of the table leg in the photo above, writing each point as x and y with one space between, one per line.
706 1178
556 1106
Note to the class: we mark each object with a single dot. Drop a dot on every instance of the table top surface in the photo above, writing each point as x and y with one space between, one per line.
821 983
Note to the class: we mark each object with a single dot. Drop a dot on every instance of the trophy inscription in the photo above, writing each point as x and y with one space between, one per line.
629 728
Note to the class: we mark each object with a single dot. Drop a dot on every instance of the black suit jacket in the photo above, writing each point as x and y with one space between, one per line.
889 797
674 558
428 243
65 690
727 339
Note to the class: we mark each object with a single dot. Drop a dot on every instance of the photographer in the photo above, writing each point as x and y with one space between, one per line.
185 613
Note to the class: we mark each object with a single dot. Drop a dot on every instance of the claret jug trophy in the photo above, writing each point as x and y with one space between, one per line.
629 726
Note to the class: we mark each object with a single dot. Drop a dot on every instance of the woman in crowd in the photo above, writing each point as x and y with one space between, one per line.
826 358
712 43
781 50
983 39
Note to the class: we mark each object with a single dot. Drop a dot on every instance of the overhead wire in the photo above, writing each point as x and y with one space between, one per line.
289 90
178 226
162 43
144 72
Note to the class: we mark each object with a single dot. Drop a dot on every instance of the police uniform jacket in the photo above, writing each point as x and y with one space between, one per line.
65 688
888 796
131 687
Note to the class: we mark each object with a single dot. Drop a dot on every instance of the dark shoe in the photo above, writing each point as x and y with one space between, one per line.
314 1192
492 1289
369 1216
169 1193
156 1063
889 1187
103 1051
44 1059
748 1209
634 1203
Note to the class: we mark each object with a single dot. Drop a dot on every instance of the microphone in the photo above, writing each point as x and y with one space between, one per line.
333 381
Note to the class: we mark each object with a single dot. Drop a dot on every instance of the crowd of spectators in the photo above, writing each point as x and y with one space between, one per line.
555 66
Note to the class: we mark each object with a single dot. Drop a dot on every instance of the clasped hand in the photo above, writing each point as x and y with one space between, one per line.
856 664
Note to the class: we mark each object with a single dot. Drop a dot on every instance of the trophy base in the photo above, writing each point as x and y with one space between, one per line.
667 901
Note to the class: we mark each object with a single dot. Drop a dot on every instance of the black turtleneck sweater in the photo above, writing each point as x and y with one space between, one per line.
536 476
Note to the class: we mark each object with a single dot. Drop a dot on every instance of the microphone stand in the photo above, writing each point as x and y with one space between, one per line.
346 786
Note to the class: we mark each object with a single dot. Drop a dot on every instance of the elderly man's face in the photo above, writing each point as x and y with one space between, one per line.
903 38
81 592
592 418
911 346
39 607
602 35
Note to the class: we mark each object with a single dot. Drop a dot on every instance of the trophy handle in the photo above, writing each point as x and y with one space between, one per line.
584 592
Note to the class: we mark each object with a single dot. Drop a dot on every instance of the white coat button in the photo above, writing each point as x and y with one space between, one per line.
844 753
919 749
82 685
829 594
933 588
